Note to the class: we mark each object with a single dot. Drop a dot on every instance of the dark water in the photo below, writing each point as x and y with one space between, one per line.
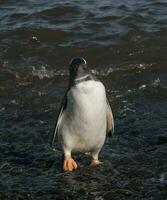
125 44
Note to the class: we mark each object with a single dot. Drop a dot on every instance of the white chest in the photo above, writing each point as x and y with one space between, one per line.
87 97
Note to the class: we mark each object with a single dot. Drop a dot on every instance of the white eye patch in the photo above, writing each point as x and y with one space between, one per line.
84 60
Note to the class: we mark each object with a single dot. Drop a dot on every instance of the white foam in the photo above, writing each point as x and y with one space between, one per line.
142 86
156 82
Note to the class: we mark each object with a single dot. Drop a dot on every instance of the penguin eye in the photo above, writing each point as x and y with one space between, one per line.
75 67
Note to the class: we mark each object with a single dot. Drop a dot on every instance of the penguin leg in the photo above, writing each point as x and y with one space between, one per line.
95 161
69 164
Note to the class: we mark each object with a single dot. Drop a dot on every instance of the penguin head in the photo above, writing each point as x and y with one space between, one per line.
78 67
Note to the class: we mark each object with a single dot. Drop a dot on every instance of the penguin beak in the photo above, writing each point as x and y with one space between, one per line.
82 67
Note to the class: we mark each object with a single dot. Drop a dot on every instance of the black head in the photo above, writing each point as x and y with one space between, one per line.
78 67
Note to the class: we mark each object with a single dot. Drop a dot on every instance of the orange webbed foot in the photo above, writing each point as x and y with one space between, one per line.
69 164
95 162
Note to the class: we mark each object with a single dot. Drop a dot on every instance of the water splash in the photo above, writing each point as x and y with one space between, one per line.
156 82
142 87
42 72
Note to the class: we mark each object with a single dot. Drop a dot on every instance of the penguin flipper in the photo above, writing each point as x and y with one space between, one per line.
58 120
110 120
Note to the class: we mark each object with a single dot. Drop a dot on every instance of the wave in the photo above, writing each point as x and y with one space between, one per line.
64 11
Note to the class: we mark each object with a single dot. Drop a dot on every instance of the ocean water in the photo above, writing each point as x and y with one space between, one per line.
125 44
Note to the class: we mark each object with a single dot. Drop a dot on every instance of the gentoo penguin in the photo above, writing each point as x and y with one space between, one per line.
85 116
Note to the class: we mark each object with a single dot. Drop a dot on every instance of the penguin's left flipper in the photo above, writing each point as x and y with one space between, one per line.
59 118
110 121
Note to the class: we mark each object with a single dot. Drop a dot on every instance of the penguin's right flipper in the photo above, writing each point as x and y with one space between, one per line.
59 118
